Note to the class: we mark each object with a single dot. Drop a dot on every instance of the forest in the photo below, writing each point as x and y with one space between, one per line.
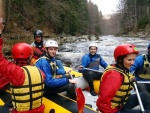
135 15
73 17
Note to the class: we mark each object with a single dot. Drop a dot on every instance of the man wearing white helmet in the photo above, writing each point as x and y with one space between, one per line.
53 82
92 60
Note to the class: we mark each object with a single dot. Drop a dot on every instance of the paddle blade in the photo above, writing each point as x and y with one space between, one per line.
80 100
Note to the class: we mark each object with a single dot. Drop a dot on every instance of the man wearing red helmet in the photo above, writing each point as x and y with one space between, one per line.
116 84
26 82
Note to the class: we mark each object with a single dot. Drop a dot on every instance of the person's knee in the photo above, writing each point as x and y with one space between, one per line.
71 86
71 91
89 75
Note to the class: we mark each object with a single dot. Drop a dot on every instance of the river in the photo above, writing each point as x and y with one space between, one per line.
71 53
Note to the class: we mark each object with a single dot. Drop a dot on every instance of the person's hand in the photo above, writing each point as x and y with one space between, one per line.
68 71
80 67
133 79
72 81
11 110
1 25
58 76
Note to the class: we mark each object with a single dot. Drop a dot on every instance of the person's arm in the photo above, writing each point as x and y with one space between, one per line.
14 73
103 63
138 63
44 65
59 64
84 63
110 84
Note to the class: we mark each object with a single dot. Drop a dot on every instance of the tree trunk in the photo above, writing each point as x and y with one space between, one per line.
7 4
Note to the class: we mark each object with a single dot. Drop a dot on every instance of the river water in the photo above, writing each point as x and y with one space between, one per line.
71 53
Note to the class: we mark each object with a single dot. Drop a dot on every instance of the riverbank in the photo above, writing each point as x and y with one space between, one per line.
143 33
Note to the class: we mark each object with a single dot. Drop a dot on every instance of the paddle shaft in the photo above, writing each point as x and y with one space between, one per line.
138 96
143 82
93 70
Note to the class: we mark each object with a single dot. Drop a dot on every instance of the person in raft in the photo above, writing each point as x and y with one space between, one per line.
117 82
141 69
26 81
38 47
92 60
54 82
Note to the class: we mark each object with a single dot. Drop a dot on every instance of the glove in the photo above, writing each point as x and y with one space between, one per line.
133 79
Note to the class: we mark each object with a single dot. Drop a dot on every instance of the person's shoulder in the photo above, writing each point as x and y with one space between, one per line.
41 59
113 74
141 56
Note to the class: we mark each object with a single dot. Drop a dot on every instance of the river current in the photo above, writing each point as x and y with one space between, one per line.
71 53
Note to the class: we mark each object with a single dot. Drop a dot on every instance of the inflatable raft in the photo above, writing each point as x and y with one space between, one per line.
81 82
60 104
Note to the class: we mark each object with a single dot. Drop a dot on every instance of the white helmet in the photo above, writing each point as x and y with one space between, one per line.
51 43
93 44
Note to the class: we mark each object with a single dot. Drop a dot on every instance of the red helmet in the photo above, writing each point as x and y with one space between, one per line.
21 50
124 49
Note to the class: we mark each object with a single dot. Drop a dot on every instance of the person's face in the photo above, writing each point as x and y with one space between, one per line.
52 51
38 39
128 61
93 50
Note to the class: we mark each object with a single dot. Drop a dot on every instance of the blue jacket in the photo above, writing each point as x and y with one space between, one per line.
138 64
43 64
87 59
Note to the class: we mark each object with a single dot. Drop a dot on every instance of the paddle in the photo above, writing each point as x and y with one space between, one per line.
139 98
93 70
144 82
80 98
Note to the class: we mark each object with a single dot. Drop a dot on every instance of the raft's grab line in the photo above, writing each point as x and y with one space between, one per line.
60 103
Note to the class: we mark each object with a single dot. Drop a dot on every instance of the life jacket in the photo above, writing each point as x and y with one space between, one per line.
144 72
38 49
123 93
29 95
94 63
53 66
